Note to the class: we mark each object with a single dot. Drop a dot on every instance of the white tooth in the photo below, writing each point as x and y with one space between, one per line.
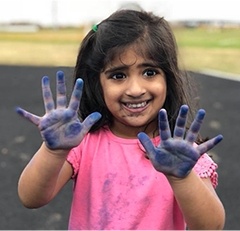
138 105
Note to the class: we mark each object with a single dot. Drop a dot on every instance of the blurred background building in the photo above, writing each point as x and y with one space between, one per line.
29 14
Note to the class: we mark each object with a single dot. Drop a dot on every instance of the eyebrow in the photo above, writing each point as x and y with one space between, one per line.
124 67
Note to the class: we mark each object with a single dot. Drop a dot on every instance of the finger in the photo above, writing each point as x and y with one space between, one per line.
179 129
195 126
76 95
206 146
164 129
61 90
29 116
90 121
47 95
147 144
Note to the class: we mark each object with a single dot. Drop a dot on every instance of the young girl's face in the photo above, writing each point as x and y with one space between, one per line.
134 90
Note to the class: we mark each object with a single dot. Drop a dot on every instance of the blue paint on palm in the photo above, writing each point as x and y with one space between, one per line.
50 138
73 130
177 155
60 127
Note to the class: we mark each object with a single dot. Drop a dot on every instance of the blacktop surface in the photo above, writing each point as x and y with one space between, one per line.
21 86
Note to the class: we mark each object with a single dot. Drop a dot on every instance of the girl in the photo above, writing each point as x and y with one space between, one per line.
134 162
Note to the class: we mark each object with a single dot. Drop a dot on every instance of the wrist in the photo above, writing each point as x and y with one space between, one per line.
173 179
55 152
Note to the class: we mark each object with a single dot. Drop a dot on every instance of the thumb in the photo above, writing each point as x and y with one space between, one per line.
206 146
90 121
147 144
27 115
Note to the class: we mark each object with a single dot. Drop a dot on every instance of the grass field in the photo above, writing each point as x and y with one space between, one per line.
209 48
199 48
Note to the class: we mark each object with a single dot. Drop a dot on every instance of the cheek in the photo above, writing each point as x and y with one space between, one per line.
110 91
160 94
164 92
107 89
110 95
160 90
164 86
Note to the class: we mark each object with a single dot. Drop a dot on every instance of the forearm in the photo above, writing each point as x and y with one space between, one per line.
38 180
199 203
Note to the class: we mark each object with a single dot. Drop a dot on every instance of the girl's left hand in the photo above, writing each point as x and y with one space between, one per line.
177 155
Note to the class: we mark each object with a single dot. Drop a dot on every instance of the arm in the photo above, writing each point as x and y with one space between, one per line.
48 171
43 177
176 157
199 202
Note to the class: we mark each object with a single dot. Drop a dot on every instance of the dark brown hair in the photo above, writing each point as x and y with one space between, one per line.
154 37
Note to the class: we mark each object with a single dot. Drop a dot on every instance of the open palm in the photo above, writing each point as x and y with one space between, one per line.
60 127
177 155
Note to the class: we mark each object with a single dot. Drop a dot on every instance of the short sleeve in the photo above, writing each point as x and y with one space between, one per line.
206 167
73 159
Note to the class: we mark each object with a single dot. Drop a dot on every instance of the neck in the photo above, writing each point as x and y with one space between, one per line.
130 132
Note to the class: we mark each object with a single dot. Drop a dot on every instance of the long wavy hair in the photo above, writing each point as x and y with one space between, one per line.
153 37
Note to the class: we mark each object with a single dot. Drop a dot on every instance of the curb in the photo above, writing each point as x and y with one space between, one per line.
220 74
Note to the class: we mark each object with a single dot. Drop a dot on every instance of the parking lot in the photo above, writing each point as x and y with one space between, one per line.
21 86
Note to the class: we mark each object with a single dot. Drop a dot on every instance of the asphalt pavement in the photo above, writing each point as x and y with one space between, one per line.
21 86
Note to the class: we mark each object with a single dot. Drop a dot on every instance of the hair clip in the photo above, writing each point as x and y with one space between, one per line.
95 27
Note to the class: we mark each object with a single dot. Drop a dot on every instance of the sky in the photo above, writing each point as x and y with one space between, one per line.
77 12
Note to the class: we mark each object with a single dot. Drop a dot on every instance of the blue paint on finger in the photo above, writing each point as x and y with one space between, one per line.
218 139
19 111
184 110
45 80
60 75
201 113
163 121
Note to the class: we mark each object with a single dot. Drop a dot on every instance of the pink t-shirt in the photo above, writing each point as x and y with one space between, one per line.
116 186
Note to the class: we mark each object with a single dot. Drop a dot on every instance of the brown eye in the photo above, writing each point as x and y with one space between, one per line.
118 76
150 72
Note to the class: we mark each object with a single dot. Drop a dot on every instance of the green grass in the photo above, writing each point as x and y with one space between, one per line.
199 48
44 48
209 48
45 36
208 38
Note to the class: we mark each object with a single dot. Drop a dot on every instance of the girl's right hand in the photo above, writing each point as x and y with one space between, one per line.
60 127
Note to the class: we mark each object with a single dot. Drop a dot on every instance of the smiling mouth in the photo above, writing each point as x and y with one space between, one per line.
136 105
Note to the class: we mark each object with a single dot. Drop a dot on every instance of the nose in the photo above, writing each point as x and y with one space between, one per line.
135 87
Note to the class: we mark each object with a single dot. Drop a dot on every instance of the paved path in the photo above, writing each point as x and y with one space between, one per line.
19 140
